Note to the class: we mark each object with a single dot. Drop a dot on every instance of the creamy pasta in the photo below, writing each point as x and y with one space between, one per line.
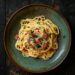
37 37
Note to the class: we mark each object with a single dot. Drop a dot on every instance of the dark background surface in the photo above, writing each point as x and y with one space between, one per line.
66 7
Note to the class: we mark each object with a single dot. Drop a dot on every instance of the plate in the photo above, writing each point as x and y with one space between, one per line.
28 63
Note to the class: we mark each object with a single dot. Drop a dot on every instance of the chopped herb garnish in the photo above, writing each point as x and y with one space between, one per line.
49 34
25 22
33 40
38 46
43 30
35 36
38 22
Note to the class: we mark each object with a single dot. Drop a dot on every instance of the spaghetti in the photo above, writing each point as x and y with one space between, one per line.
37 38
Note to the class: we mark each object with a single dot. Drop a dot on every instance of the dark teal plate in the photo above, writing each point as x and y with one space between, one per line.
31 64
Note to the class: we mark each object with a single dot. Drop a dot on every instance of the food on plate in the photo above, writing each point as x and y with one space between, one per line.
37 38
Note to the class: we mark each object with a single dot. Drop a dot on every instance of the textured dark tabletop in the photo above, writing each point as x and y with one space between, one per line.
66 7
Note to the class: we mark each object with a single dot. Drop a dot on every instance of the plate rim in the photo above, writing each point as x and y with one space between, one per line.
7 50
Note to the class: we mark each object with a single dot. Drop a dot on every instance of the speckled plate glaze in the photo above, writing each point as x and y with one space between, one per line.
32 64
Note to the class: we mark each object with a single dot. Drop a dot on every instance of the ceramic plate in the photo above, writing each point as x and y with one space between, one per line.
28 63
